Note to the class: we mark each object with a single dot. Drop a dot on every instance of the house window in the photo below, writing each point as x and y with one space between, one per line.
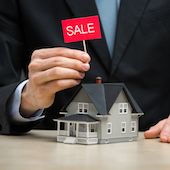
93 128
133 126
120 108
123 127
123 108
109 128
83 107
63 126
82 128
80 107
86 108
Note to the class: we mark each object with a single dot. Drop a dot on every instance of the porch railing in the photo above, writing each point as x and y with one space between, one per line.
80 134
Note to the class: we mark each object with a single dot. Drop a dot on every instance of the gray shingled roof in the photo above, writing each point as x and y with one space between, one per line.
104 95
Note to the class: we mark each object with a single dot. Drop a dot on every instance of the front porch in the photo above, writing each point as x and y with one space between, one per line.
71 131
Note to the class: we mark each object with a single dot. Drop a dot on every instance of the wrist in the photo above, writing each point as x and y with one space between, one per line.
27 108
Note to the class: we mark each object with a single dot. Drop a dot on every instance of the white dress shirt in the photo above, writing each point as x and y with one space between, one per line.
14 105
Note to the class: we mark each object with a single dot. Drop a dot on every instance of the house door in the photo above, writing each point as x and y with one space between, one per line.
73 129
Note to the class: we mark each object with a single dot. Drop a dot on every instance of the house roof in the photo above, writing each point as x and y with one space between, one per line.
79 117
104 95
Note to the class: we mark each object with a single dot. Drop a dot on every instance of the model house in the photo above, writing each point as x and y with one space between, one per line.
99 113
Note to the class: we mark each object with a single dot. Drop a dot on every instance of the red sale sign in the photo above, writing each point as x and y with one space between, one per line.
79 29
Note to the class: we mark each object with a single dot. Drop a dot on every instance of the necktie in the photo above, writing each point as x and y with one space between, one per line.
108 11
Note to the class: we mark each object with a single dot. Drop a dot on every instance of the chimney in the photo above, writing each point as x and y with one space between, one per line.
98 80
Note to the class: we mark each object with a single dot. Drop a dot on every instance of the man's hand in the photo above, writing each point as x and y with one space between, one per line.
50 71
161 129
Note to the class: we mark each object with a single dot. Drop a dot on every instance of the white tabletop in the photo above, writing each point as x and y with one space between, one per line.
38 150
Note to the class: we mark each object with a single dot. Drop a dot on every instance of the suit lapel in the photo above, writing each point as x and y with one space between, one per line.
88 8
129 17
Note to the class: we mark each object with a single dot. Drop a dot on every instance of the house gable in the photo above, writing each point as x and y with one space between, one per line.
81 98
121 99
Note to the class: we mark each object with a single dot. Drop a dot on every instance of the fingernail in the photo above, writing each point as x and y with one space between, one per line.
85 57
86 67
82 75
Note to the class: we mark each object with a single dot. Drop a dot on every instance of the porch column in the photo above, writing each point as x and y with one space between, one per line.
68 128
58 128
77 130
87 130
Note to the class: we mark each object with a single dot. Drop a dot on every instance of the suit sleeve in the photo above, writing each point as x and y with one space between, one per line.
13 59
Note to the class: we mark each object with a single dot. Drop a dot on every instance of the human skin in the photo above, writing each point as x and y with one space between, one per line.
50 71
161 130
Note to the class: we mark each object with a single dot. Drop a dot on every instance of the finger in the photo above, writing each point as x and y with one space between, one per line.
60 51
56 73
58 85
165 133
154 131
42 65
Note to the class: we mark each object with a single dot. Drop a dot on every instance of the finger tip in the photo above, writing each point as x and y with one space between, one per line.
85 57
86 67
164 139
147 134
151 133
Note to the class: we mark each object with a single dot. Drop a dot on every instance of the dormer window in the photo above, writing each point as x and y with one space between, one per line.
83 107
123 108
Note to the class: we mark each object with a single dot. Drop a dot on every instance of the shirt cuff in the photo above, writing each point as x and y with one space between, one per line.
14 105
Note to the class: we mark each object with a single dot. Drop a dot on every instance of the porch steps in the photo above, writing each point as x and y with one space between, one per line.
70 140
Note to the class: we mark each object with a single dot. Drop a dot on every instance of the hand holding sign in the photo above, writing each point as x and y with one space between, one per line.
54 69
81 29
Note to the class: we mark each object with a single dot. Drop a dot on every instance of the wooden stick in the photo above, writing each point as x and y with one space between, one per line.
84 46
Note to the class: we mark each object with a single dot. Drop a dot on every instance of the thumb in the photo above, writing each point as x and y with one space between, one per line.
165 133
154 131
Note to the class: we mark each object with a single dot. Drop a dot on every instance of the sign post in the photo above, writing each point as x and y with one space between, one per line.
84 46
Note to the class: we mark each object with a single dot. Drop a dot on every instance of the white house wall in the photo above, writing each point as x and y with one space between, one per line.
116 118
81 97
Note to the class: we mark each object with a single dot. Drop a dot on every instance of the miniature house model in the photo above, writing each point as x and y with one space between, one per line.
99 113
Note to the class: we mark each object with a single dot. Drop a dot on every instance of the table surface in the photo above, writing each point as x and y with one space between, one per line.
39 150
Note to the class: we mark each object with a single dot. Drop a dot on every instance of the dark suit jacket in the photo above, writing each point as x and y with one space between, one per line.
141 58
